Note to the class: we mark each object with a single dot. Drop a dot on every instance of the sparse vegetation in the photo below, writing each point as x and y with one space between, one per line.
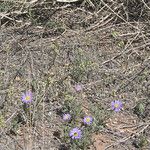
75 76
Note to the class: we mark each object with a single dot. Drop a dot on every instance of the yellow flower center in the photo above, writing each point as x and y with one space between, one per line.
116 105
75 134
27 98
87 119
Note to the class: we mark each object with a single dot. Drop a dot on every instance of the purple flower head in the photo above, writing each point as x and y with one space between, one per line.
88 120
75 133
66 117
27 97
78 87
116 105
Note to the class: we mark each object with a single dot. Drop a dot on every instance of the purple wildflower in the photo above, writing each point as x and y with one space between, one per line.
78 87
27 97
66 117
75 133
116 105
88 120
